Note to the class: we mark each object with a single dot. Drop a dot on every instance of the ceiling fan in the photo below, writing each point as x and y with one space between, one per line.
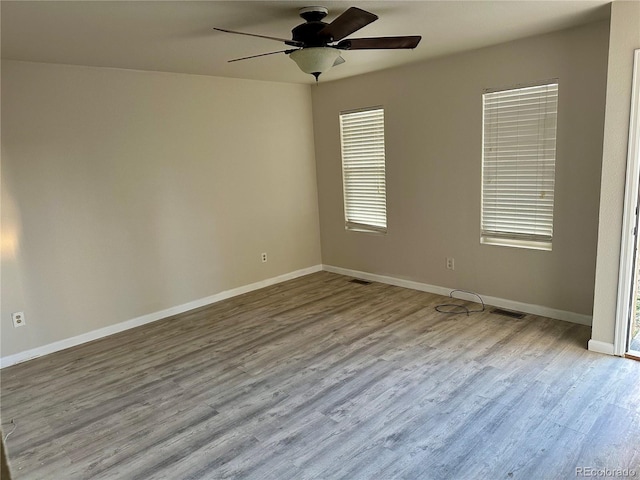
315 44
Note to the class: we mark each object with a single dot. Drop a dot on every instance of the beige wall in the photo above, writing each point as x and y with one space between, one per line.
625 37
433 115
125 193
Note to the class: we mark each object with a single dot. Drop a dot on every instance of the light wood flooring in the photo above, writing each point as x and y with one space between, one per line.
320 378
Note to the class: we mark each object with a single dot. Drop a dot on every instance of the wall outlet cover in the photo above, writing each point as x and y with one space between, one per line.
18 319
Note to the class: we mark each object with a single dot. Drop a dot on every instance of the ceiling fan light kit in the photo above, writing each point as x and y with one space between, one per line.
315 53
315 60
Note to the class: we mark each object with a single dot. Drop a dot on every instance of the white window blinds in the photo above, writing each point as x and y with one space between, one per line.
518 166
363 170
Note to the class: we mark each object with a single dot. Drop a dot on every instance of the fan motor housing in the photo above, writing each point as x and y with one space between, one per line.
309 32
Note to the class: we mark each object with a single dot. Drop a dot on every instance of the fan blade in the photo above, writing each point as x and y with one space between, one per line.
339 61
351 20
293 43
379 43
261 55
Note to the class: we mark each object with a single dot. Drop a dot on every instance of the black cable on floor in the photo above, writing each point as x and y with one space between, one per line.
13 430
456 308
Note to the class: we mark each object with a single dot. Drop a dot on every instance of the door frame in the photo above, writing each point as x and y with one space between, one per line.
629 221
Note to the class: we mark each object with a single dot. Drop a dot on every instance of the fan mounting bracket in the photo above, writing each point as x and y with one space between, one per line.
313 14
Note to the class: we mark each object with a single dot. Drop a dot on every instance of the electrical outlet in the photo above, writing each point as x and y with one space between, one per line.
451 264
18 319
264 258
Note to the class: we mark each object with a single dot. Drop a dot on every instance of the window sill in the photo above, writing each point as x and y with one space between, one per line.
365 230
512 242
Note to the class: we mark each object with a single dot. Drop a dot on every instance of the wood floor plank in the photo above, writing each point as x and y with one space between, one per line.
321 378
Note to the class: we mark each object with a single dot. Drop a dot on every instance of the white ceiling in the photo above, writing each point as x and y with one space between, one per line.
177 36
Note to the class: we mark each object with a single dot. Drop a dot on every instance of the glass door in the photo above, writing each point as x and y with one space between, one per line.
627 330
633 335
633 328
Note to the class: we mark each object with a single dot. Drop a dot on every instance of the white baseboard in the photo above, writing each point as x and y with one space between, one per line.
581 319
151 317
601 347
494 301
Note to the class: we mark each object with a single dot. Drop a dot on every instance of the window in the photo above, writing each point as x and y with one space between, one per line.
518 166
363 170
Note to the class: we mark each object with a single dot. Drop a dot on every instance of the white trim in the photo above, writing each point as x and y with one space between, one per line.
516 243
151 317
627 247
494 301
600 347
